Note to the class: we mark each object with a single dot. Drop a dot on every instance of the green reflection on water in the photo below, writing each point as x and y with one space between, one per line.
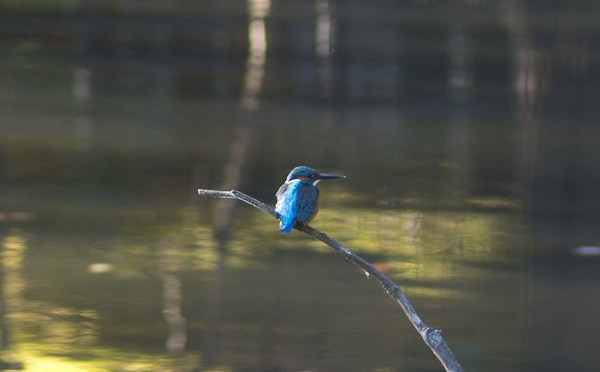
278 289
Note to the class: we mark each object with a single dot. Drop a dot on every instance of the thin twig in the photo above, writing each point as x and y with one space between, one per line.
432 337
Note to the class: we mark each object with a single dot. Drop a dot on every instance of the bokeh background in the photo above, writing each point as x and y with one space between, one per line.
468 131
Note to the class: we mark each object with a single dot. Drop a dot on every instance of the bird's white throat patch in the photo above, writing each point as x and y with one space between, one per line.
295 180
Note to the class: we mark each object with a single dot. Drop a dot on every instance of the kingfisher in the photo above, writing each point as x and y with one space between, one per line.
298 197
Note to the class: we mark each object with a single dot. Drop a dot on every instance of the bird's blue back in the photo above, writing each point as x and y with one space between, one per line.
296 201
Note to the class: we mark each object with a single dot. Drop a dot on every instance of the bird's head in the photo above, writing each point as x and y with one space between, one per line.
304 173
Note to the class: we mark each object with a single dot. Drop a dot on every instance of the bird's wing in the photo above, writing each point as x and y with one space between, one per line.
308 203
287 205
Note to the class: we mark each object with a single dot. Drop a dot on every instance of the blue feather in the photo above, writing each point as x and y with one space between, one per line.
308 202
287 205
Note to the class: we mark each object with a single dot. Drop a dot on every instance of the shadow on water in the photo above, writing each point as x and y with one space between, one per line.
565 213
468 131
223 226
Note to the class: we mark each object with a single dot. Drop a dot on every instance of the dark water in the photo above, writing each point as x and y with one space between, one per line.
468 131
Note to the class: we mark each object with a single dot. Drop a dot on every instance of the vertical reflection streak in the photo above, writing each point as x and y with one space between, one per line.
459 78
526 85
172 298
523 54
82 92
12 252
258 11
324 45
324 29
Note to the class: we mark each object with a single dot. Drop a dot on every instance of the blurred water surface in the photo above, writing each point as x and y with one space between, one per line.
468 131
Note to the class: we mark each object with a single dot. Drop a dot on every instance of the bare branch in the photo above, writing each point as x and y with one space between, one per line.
432 337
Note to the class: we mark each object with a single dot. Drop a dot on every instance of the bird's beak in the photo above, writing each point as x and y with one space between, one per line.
330 176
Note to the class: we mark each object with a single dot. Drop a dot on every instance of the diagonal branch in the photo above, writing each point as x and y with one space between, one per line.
432 337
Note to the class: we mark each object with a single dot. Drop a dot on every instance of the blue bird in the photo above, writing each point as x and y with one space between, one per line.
298 197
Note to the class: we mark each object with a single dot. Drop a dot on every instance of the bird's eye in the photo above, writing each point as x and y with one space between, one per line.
314 176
